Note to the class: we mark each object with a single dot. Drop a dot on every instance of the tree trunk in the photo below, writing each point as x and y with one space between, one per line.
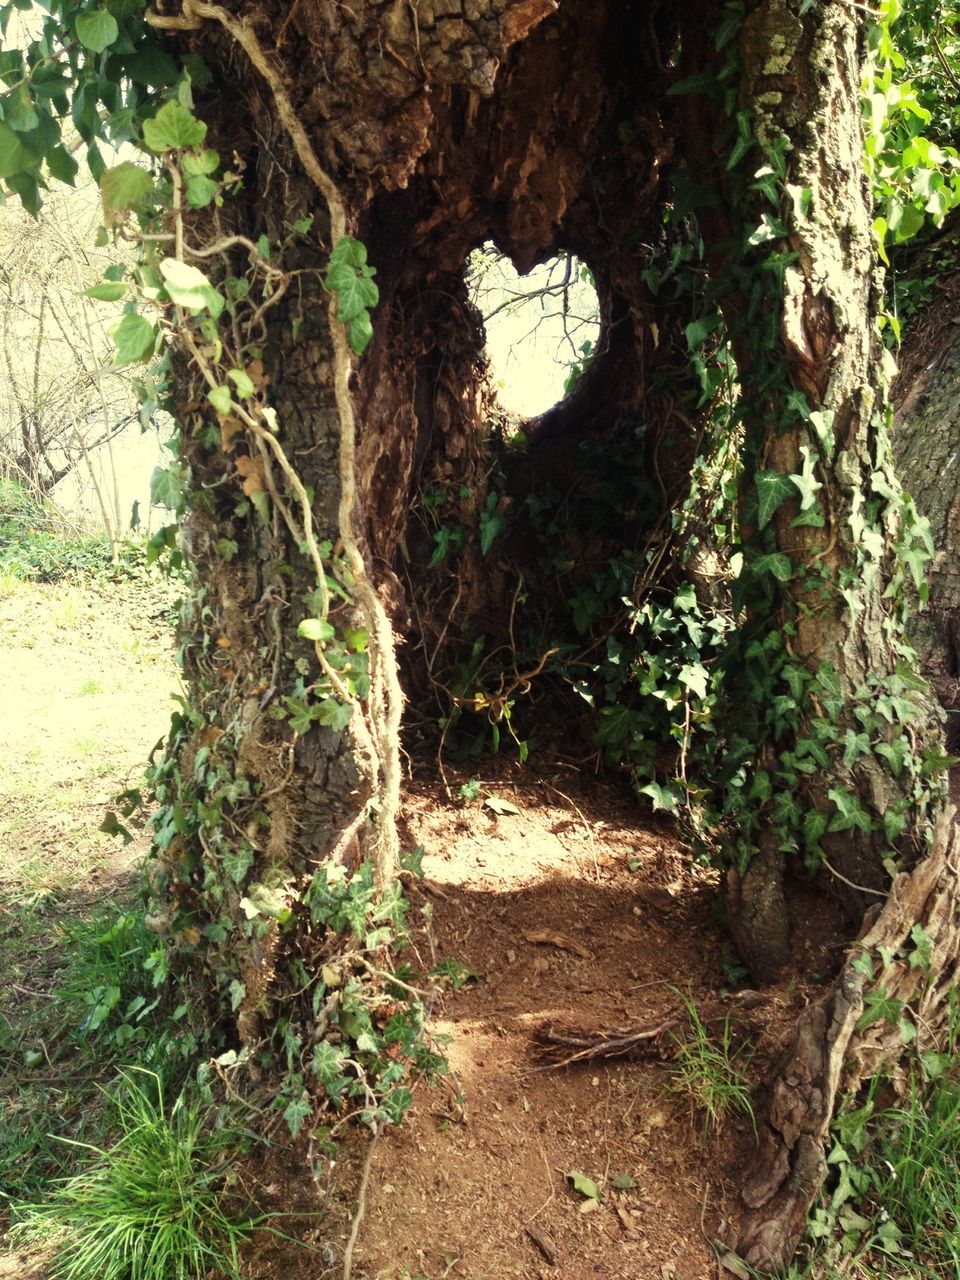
925 442
444 126
821 665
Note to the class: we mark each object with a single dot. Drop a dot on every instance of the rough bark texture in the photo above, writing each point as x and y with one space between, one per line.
926 443
833 1052
801 77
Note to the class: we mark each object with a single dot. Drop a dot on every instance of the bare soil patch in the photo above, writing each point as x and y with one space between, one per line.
573 913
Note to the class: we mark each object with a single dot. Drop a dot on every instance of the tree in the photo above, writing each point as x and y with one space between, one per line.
406 135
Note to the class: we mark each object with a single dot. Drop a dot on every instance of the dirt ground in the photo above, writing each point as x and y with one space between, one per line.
567 909
573 913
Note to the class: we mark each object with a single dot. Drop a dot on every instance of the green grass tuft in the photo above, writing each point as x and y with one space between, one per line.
154 1206
708 1073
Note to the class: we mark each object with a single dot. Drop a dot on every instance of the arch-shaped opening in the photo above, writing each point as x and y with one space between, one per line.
542 327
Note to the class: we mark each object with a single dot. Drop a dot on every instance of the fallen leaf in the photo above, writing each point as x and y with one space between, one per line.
557 940
545 1243
586 1186
229 427
589 1206
500 806
623 1182
628 1220
654 896
732 1262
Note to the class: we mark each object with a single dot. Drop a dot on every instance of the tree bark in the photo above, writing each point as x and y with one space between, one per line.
925 442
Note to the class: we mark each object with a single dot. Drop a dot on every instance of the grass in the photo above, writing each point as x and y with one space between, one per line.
895 1207
707 1072
37 542
153 1206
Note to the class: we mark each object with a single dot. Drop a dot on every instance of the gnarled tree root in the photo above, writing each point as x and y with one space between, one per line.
836 1046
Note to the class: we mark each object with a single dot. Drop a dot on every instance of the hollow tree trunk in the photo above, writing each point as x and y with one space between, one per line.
443 126
821 667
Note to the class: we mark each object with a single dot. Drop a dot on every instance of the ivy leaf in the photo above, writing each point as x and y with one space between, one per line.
359 333
173 128
189 287
355 293
134 338
922 955
237 862
773 489
97 31
586 1186
849 813
200 191
19 111
221 399
108 291
166 487
694 675
332 714
316 629
877 1006
777 564
295 1112
243 382
123 187
62 165
662 797
15 155
198 164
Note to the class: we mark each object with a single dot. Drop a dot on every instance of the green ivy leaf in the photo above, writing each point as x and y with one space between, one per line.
62 165
198 164
19 111
242 381
586 1186
878 1006
777 564
97 31
125 186
773 489
167 487
109 291
221 399
316 629
332 714
359 333
296 1111
15 156
134 338
173 128
200 192
190 288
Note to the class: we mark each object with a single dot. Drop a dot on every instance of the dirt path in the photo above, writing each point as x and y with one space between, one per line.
570 916
569 912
